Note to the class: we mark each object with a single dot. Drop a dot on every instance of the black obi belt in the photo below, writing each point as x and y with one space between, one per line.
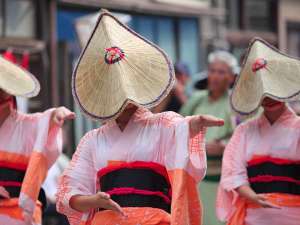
11 178
274 175
137 184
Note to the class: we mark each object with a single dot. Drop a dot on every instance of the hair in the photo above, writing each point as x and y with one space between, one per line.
225 57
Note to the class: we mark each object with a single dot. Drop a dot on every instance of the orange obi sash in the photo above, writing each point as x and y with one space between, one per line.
279 199
11 208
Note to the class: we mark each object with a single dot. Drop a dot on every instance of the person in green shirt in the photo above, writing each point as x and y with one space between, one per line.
214 101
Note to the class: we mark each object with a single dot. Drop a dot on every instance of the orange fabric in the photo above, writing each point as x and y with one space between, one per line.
114 162
18 159
38 167
279 199
186 207
136 215
10 208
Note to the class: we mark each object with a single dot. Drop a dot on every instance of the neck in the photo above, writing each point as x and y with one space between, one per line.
214 96
124 118
272 116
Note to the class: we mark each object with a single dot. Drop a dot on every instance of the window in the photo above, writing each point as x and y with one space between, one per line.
257 15
179 37
293 39
17 18
260 15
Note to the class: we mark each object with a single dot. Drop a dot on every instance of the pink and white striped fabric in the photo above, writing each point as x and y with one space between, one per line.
27 142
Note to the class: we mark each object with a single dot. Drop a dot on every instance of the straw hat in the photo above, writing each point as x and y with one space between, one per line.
265 72
16 81
117 67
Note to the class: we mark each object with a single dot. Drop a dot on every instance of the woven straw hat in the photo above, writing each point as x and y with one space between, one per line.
265 72
16 81
117 67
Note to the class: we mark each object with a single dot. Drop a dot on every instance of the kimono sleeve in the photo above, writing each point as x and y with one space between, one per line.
185 161
78 179
234 165
46 148
234 174
182 151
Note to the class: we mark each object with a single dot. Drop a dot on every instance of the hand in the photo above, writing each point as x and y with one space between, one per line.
4 193
59 115
215 148
198 123
263 202
84 203
104 201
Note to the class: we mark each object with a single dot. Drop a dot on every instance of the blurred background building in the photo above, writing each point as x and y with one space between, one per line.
186 29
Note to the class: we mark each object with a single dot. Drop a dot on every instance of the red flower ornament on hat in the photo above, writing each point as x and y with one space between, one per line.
113 55
259 63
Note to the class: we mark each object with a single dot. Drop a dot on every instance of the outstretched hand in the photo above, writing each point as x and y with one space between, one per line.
263 202
60 114
198 123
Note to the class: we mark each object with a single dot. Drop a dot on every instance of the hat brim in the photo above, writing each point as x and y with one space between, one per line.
16 81
279 80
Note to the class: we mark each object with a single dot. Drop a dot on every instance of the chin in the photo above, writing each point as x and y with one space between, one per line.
273 108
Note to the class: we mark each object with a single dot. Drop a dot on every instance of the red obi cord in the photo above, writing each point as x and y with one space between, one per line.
135 165
129 190
263 159
270 178
10 184
12 165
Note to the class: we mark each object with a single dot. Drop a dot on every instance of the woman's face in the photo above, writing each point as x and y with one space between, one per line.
271 105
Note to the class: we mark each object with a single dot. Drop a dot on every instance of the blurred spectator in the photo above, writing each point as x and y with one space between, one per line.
214 101
177 96
51 216
203 77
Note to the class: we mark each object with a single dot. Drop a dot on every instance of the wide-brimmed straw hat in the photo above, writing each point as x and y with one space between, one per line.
16 81
266 72
117 67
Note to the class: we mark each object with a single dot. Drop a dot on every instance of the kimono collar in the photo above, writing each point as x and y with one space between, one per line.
141 113
287 114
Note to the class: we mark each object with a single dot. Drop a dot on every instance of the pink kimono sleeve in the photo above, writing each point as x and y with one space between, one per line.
234 174
78 179
185 160
47 147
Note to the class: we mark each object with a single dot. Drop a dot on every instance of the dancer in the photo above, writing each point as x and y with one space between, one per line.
139 167
29 144
260 174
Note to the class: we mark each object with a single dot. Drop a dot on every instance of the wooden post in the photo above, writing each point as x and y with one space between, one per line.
53 54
